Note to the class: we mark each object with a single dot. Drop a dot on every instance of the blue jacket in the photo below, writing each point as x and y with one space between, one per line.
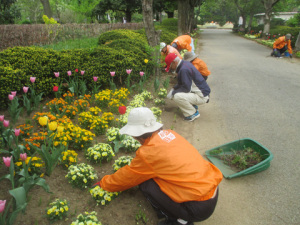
187 73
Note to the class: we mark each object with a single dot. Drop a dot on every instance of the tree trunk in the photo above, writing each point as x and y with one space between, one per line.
128 16
268 5
47 8
170 14
186 16
152 35
250 23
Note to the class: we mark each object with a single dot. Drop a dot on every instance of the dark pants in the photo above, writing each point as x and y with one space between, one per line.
193 211
279 51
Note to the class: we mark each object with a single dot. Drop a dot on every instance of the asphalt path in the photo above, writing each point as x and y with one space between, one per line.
253 96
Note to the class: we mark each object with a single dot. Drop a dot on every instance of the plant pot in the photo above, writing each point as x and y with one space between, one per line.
229 172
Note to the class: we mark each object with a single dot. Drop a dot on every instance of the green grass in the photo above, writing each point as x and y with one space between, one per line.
73 44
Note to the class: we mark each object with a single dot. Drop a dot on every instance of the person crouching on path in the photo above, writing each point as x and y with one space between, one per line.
198 63
184 42
191 89
281 45
181 186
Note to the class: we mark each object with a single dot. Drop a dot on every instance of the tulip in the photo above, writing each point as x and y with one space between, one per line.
141 73
146 61
7 161
112 73
25 89
56 74
122 109
6 123
11 97
1 118
95 79
2 205
17 132
60 129
128 71
43 120
82 72
14 93
23 156
53 125
69 73
55 88
76 70
32 79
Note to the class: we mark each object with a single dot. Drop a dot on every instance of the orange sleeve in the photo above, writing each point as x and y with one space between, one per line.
290 47
201 66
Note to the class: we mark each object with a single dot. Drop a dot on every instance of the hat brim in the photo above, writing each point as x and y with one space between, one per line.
138 130
191 58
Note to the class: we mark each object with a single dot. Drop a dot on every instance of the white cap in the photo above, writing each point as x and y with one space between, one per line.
162 45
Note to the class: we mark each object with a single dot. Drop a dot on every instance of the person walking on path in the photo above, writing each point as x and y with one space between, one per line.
282 44
191 89
184 42
198 63
181 186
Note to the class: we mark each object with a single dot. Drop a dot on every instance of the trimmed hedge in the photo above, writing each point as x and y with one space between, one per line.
283 30
109 36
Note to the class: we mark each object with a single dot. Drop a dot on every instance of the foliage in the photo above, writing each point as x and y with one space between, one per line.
87 218
8 12
294 21
121 161
49 20
101 196
283 30
100 152
109 36
57 210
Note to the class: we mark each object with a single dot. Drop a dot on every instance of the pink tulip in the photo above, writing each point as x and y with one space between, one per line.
6 123
23 156
56 74
82 72
7 161
95 79
1 118
14 93
69 73
25 89
142 73
11 97
112 73
32 79
2 205
128 71
17 132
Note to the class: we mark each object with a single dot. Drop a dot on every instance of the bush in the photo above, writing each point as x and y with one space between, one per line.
277 22
165 36
109 36
170 22
294 21
283 30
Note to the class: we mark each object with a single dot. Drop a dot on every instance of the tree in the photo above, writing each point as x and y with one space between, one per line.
47 8
268 5
8 11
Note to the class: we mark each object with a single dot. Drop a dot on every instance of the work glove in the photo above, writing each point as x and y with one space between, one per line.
170 94
96 184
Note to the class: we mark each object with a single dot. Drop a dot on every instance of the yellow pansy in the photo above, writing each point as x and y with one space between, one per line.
146 60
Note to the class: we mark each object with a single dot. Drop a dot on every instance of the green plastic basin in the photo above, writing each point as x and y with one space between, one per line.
237 145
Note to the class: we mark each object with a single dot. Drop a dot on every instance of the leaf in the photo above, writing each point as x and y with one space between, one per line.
20 196
117 145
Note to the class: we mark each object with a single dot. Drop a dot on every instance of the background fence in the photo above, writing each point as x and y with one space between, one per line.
42 34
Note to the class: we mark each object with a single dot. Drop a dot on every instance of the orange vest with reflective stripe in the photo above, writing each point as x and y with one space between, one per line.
281 42
183 42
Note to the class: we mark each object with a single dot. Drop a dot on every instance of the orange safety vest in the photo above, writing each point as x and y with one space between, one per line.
281 42
201 66
183 42
174 164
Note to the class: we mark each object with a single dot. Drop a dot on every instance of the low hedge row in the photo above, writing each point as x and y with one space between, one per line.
283 30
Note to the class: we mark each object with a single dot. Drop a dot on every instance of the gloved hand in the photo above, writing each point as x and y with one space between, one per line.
170 95
96 184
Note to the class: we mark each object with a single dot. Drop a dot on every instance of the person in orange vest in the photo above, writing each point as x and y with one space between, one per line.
198 63
282 44
166 50
178 182
184 42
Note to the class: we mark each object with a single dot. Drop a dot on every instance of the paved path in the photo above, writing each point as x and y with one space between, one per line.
255 96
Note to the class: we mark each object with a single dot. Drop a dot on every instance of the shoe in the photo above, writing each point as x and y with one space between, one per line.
172 222
192 117
196 107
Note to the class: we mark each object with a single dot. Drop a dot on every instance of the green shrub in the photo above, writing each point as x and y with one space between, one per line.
170 22
165 36
294 21
109 36
283 30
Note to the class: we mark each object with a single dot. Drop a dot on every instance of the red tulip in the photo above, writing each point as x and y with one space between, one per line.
1 118
95 79
122 109
25 89
2 205
32 79
7 161
23 156
76 70
112 73
55 88
17 132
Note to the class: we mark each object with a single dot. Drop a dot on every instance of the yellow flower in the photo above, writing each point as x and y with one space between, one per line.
53 125
43 120
60 129
146 61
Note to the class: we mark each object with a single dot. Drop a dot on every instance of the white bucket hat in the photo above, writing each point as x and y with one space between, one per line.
140 121
162 45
